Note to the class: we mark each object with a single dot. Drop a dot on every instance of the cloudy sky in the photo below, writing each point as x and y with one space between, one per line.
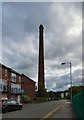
62 40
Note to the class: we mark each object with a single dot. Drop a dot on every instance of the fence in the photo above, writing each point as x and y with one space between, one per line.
78 105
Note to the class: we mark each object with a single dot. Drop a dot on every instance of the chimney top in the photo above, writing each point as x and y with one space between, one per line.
41 26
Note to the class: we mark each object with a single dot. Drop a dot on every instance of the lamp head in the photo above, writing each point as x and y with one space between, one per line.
63 63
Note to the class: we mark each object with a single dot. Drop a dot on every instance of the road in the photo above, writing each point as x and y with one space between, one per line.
38 110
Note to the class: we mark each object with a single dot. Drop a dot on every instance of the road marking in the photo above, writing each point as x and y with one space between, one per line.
52 112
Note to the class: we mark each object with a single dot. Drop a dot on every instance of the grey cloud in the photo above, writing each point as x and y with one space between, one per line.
42 1
62 44
63 82
0 31
23 19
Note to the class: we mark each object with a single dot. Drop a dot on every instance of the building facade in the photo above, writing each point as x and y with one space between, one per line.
28 85
11 84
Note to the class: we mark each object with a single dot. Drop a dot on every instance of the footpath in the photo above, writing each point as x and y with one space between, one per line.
65 112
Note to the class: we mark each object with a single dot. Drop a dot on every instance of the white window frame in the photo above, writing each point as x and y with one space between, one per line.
2 84
15 88
6 72
13 77
20 79
0 72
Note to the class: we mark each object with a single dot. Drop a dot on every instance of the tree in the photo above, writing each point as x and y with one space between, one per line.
76 89
26 99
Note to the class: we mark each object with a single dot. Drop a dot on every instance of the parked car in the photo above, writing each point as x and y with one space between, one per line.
1 101
10 105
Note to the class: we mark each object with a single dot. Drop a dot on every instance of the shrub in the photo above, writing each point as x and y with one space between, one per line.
26 99
40 99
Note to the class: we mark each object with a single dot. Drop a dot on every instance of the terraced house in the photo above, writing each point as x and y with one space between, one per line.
11 84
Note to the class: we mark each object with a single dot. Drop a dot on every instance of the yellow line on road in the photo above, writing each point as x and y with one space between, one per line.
52 112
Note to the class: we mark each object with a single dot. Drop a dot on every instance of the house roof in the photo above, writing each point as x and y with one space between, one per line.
13 71
28 78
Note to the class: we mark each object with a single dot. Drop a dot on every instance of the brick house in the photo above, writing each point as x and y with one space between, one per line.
10 83
4 76
28 86
13 84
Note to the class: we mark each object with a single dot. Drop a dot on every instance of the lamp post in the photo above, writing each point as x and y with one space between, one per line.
70 78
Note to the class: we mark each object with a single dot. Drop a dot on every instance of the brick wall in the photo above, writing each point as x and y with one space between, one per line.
28 86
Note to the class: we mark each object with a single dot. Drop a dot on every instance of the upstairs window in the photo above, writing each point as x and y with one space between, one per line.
13 77
5 82
4 85
15 88
1 85
20 79
0 73
6 72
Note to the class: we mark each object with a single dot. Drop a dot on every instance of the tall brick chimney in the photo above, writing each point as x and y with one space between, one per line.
41 78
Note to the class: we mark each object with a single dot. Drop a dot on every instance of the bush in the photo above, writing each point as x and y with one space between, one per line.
26 99
40 99
68 96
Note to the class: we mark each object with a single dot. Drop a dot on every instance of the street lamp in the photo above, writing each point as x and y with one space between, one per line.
70 77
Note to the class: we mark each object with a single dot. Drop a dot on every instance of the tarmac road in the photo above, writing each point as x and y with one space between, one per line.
40 110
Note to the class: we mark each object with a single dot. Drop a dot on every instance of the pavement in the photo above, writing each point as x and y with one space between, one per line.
65 112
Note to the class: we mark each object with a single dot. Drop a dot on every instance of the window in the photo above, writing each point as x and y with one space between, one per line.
11 89
20 79
0 72
5 72
18 88
22 91
3 85
13 77
5 82
13 102
15 88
